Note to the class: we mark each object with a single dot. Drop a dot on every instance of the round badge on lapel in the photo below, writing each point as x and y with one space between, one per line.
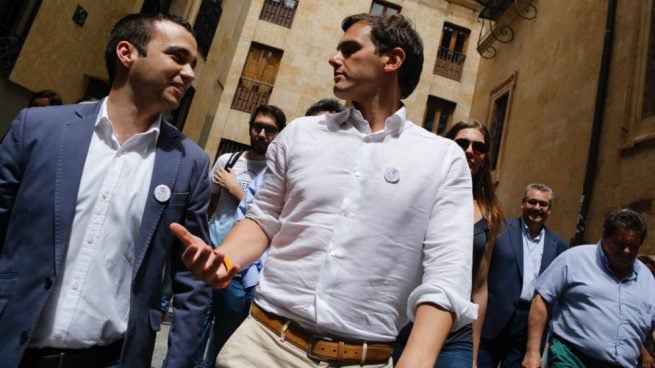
391 175
162 193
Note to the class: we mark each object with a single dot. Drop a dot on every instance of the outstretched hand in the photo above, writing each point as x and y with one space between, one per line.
205 263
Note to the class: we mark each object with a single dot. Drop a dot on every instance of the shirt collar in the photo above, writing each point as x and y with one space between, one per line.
394 125
105 127
526 232
608 269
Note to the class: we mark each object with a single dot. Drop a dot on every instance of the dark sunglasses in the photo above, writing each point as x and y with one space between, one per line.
478 147
270 130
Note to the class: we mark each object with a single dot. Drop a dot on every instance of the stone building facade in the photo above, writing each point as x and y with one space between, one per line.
262 51
569 96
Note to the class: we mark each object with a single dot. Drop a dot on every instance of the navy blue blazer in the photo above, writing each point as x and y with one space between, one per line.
505 279
41 163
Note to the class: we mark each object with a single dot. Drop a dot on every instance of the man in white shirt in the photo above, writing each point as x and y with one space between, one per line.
86 196
369 219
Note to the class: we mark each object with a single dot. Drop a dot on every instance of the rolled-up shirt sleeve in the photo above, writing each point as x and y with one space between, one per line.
265 209
448 246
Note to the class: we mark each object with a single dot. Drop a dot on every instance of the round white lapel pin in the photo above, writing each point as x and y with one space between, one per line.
162 193
391 175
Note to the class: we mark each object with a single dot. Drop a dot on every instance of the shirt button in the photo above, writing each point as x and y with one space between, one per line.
104 196
320 295
367 139
333 252
76 286
358 173
346 212
90 240
48 283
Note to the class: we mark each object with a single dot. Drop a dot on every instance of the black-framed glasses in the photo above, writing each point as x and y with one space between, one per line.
268 129
479 148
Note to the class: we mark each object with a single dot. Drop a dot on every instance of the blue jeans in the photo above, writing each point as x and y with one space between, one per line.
508 348
231 307
455 355
452 355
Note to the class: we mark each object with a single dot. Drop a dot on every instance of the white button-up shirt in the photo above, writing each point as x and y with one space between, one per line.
90 302
364 225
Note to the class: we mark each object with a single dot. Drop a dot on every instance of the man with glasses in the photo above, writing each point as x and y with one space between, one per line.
522 251
230 176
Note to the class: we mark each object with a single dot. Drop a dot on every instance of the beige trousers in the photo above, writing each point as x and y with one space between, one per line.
253 345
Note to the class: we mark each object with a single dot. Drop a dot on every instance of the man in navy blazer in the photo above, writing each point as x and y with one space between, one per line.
522 251
87 193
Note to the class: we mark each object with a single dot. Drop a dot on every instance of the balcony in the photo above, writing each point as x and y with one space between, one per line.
449 63
280 12
250 94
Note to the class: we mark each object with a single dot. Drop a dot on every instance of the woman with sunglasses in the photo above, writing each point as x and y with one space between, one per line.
461 346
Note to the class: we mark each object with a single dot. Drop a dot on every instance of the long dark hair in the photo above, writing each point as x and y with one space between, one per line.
484 190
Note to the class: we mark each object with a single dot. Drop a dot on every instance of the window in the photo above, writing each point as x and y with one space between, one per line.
384 8
206 23
156 6
280 12
648 103
16 18
501 98
438 114
639 113
451 54
258 77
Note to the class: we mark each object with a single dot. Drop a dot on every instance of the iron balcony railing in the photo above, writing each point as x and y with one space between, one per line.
250 94
280 12
449 63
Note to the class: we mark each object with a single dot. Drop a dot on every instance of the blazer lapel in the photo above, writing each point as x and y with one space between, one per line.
167 164
550 247
73 149
516 237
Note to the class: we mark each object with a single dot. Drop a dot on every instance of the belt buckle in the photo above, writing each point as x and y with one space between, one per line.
310 347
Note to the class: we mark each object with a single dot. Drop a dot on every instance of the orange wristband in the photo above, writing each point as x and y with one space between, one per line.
228 267
227 264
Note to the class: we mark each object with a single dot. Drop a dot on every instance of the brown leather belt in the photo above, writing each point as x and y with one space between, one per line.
325 349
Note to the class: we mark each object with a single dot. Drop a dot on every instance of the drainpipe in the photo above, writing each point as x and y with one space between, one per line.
599 110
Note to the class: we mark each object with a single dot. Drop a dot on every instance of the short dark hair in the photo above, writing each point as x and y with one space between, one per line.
624 219
137 29
269 110
389 32
51 95
326 105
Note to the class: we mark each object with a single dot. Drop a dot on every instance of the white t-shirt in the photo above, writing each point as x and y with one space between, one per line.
223 219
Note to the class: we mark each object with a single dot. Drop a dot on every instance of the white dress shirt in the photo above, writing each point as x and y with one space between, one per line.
90 302
364 225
